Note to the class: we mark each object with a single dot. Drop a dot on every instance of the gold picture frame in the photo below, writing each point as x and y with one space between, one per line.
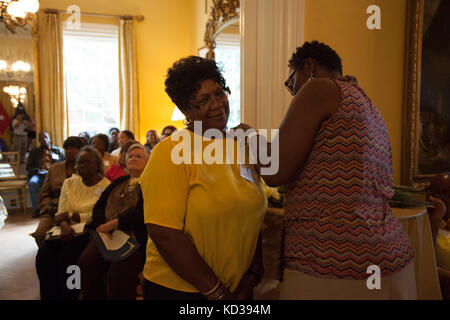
426 116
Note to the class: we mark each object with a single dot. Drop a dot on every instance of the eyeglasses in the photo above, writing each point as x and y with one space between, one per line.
289 84
208 101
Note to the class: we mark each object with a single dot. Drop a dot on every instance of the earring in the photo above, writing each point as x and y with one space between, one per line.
187 122
312 76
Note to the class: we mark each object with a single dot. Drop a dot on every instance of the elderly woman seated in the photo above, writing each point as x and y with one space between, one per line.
51 189
119 207
439 194
79 194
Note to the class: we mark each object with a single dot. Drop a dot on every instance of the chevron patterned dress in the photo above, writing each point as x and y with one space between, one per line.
337 216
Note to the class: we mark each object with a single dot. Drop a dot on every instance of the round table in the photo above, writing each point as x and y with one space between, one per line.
416 223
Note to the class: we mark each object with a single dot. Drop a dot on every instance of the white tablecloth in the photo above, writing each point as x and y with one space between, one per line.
416 223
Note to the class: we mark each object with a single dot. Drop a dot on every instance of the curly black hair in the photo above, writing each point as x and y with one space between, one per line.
185 76
318 51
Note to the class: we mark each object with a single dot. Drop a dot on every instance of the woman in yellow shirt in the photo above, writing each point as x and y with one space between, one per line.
203 219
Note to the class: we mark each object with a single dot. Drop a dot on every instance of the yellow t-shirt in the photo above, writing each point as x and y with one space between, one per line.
218 209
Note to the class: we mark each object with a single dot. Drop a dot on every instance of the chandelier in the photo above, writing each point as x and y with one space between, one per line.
18 94
17 13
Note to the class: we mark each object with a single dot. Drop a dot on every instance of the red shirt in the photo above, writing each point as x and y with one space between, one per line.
115 171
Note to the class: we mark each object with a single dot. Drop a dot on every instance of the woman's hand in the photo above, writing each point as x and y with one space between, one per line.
63 216
108 227
67 233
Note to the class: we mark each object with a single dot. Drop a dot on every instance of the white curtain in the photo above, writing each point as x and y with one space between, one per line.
272 30
129 89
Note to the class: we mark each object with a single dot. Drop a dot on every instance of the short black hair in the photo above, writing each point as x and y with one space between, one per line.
76 142
128 133
185 76
318 51
85 134
104 138
113 129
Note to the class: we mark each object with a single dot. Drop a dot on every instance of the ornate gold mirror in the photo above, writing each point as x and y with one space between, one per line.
426 123
225 14
17 76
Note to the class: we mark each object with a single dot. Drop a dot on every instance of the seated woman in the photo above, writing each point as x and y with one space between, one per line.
118 170
79 194
51 189
439 194
203 220
167 132
124 137
119 207
152 140
101 143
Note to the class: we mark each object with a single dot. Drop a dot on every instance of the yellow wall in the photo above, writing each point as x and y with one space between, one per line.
375 57
164 36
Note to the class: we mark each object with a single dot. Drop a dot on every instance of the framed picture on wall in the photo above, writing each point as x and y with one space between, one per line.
426 122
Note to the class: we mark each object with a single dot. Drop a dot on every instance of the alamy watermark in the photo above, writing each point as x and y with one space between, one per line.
374 21
252 148
74 280
374 281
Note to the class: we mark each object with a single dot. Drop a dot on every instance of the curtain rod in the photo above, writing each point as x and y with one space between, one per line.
137 18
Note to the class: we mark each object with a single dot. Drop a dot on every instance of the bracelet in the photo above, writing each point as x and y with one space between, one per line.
217 293
213 289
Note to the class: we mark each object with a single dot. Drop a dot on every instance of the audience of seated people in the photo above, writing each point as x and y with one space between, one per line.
152 140
51 189
124 137
119 207
101 143
79 194
119 170
113 139
39 161
74 190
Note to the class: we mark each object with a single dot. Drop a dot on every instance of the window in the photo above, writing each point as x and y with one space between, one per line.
228 55
91 74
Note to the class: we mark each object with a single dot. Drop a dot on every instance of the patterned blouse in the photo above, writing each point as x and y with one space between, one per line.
337 218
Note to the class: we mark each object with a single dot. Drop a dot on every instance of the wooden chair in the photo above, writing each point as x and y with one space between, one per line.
10 179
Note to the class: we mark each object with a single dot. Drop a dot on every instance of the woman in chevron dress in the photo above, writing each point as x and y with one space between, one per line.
340 238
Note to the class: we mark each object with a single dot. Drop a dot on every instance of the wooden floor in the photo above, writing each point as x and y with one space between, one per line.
18 279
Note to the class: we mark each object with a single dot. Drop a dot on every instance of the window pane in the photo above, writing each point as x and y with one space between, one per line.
229 57
91 68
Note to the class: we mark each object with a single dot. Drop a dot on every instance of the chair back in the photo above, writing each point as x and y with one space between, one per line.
9 165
